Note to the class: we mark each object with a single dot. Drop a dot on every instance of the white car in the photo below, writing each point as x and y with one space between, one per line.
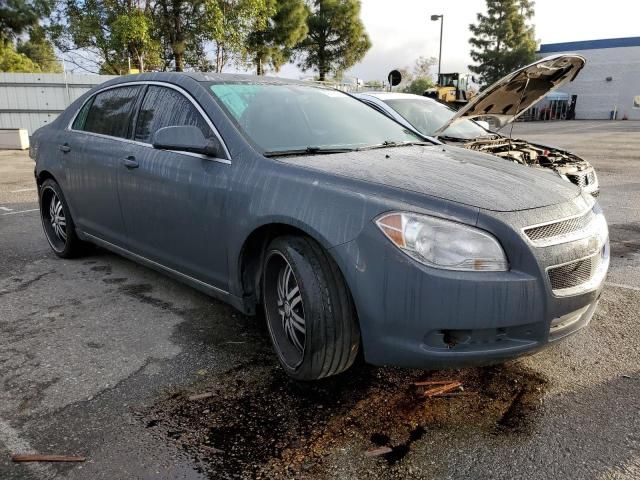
503 101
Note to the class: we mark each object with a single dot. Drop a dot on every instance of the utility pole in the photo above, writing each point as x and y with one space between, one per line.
435 18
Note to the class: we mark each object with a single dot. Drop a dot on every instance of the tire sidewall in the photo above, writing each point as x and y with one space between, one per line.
313 305
53 186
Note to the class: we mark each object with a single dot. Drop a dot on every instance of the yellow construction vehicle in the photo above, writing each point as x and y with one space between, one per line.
454 89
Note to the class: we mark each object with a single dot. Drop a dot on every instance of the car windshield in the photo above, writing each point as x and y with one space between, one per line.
281 118
427 116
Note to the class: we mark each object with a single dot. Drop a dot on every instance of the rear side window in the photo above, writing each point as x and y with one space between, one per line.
165 107
111 111
81 118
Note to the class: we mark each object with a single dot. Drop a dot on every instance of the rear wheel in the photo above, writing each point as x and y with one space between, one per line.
57 222
308 308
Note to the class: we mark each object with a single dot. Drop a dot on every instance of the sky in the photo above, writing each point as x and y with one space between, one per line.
402 30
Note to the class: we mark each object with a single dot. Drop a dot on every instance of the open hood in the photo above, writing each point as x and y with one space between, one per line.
512 95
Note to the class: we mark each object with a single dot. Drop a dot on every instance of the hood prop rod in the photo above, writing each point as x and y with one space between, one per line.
524 90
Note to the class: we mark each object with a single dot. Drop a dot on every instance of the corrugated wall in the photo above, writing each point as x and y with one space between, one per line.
610 80
31 100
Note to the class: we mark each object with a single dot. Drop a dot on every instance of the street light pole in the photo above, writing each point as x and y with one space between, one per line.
441 18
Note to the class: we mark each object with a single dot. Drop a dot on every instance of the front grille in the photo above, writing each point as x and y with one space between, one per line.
557 229
575 273
582 179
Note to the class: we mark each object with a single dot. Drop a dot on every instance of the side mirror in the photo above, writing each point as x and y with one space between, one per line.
185 138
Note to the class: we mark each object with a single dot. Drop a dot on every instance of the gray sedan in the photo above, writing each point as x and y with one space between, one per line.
351 232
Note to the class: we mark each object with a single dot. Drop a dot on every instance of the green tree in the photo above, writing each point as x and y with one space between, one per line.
12 61
106 35
273 45
179 27
40 50
337 38
131 33
418 85
184 28
230 25
503 40
16 16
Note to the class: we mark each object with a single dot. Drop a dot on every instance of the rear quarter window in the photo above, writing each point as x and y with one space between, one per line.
81 118
110 112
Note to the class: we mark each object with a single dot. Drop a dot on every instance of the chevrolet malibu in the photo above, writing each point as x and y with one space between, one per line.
349 230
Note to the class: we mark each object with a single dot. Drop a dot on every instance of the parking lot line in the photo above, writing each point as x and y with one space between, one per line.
32 189
6 209
21 211
13 442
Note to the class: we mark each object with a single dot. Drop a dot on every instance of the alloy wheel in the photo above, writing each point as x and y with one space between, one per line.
290 307
54 220
284 309
57 218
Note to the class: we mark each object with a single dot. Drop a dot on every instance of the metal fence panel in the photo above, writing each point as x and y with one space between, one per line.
31 100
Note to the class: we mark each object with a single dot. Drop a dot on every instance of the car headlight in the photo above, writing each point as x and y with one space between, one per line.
599 224
442 243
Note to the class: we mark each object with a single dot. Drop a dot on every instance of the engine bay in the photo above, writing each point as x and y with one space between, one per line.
525 153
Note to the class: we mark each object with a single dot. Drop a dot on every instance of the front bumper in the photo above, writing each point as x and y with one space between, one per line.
415 316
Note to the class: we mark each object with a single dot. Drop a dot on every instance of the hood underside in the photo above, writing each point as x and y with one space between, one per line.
512 95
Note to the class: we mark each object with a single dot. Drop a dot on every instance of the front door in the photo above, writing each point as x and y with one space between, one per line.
172 202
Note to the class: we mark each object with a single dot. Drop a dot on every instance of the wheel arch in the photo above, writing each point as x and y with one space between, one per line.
45 175
251 255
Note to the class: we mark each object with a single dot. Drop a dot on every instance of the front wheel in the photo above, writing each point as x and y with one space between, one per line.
308 308
57 222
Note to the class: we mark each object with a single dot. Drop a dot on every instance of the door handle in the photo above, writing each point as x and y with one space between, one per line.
130 162
64 148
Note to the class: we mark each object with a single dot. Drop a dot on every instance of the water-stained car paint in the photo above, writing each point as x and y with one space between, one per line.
216 221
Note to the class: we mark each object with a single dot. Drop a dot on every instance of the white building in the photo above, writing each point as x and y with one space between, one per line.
609 82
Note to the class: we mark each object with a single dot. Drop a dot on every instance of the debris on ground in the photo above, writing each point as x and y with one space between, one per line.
273 428
36 457
376 452
213 450
201 396
439 387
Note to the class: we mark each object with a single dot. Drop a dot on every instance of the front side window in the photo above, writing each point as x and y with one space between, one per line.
280 118
166 107
111 111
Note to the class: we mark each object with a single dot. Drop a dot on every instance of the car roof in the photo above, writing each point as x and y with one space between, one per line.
172 77
393 95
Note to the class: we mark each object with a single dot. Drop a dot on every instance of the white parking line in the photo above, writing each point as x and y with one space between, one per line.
24 190
21 211
6 209
15 444
621 285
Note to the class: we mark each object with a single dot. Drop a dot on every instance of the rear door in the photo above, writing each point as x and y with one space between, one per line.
173 202
93 153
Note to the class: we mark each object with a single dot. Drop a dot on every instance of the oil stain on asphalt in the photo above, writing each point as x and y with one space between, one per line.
257 423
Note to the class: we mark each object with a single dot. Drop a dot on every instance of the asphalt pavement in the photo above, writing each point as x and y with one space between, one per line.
99 356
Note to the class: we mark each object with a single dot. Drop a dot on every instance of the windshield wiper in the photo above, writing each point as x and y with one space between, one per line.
312 150
391 144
